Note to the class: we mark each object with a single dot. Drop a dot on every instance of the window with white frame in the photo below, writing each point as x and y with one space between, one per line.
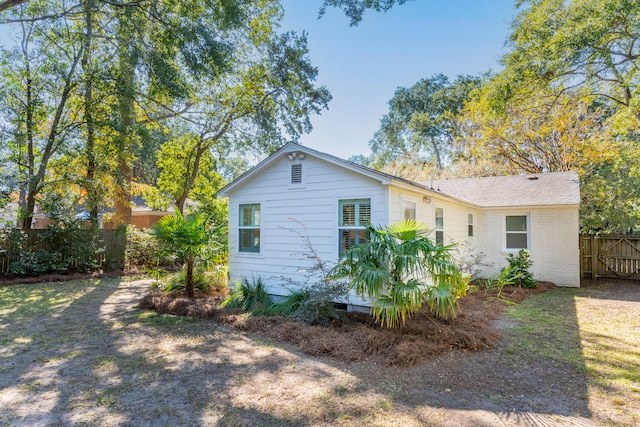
409 209
470 224
517 232
354 215
249 228
439 226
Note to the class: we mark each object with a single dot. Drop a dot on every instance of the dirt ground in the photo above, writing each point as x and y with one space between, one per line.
95 359
358 336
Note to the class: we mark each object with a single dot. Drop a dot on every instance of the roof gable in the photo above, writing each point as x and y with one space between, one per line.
292 147
547 189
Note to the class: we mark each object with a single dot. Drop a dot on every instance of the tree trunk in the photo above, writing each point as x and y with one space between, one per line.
436 151
189 286
124 142
90 155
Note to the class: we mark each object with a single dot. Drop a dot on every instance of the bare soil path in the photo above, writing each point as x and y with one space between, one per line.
93 359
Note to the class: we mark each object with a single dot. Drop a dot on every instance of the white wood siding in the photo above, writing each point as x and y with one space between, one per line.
456 228
314 204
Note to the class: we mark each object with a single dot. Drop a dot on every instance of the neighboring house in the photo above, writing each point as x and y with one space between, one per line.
9 215
334 199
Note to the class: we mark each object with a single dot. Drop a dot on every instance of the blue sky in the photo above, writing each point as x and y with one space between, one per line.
362 66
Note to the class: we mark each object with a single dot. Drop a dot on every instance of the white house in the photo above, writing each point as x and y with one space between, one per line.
334 199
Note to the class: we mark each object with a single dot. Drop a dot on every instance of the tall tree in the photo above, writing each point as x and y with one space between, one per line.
355 9
252 107
593 46
38 86
531 137
421 121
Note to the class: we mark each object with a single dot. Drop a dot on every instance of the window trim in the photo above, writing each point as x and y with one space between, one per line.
249 227
435 228
470 225
403 210
506 232
338 218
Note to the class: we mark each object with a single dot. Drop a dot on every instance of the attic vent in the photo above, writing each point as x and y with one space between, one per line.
532 178
296 174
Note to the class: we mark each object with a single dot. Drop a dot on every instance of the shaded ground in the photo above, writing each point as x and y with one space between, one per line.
359 337
80 353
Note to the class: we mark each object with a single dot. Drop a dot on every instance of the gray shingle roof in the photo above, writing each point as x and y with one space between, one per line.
557 188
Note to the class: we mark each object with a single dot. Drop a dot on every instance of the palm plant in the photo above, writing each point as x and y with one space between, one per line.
187 237
399 269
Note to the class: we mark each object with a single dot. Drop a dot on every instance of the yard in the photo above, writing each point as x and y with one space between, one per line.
79 352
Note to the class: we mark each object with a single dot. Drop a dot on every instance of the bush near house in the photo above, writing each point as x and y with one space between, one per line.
399 269
518 271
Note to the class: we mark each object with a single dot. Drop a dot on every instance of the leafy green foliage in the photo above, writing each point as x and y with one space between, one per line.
293 302
517 272
354 9
421 121
143 250
399 269
315 304
186 237
592 45
67 246
251 296
206 282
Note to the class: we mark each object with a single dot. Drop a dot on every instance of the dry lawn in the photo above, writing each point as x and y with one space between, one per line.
81 353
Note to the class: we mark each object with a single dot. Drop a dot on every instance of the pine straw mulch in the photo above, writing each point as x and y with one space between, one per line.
360 337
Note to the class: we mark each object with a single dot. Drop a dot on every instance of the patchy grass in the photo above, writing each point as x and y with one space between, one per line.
79 352
594 330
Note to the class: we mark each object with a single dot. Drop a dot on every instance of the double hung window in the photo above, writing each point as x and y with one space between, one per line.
354 215
517 232
439 226
249 228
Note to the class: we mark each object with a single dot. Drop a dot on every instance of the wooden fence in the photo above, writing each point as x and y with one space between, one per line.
111 257
610 256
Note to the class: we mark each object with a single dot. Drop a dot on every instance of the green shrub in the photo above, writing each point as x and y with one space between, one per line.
314 305
319 308
206 282
313 302
250 296
292 302
187 237
517 272
399 268
64 247
143 250
72 246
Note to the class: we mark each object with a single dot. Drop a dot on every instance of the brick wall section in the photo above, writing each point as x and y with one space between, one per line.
554 242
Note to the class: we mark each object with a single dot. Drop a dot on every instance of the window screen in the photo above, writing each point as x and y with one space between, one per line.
517 233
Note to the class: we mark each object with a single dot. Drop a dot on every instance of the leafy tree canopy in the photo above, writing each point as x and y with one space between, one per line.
421 121
590 46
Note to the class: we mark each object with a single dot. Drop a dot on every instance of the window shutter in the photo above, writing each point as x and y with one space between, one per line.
296 174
